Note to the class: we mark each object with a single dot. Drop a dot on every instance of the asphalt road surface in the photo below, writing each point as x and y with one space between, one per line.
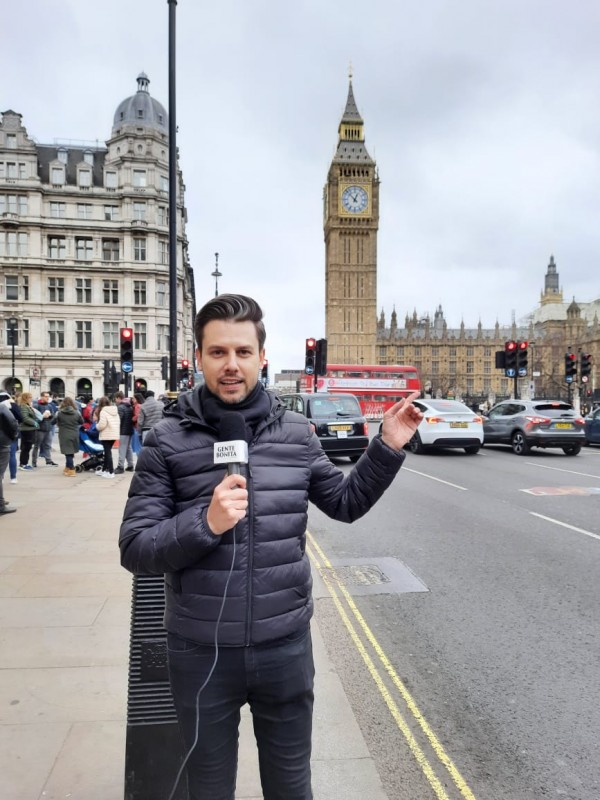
485 685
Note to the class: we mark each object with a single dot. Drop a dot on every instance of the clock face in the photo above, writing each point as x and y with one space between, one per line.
355 199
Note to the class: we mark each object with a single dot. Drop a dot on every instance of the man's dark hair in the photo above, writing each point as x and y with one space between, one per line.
236 307
149 393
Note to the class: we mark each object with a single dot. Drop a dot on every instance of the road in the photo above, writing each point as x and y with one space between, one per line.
485 685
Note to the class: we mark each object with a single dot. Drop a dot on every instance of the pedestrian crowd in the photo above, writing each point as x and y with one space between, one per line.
28 427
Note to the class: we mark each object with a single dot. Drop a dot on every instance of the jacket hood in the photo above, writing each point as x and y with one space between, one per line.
187 408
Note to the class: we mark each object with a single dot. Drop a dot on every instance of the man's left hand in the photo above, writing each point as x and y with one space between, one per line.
400 422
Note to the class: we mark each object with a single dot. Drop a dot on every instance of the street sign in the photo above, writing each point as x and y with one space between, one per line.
510 373
127 366
34 372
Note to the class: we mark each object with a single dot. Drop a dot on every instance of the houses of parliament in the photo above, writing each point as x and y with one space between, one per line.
455 362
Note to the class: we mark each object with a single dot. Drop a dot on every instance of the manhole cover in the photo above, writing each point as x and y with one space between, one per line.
358 575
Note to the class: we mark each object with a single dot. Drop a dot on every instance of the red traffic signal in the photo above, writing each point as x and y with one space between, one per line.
309 356
510 346
126 333
523 345
126 340
185 363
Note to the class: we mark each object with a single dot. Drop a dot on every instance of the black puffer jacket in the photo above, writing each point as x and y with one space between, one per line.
164 528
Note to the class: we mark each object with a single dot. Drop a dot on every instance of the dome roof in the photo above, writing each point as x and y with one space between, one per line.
141 110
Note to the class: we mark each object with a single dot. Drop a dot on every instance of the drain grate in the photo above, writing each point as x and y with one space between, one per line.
357 575
383 575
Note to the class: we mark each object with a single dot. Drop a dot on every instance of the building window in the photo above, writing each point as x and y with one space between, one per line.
88 157
110 249
470 368
111 212
110 291
347 320
162 338
163 215
13 204
21 336
139 293
11 287
452 352
83 334
417 351
487 368
163 251
382 354
435 367
11 169
25 287
85 178
57 176
83 290
11 141
139 249
470 351
139 177
399 354
452 367
139 210
56 333
58 210
487 352
139 335
84 249
84 210
56 290
57 247
163 183
110 335
161 289
22 170
110 180
14 244
62 155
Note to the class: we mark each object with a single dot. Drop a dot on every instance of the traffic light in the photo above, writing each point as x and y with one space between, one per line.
510 359
309 359
107 376
570 367
586 367
522 359
321 357
126 336
264 372
140 385
164 368
185 371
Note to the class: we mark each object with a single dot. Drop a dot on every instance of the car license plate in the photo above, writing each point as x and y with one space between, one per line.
563 425
340 428
459 424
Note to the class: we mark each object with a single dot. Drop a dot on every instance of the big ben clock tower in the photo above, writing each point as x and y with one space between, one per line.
350 221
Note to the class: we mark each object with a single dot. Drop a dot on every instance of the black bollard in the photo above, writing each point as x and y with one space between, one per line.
153 749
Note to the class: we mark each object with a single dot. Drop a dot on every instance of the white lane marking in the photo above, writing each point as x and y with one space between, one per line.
560 469
432 478
565 525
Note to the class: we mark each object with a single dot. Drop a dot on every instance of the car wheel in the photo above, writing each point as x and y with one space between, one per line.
572 449
519 444
416 445
471 451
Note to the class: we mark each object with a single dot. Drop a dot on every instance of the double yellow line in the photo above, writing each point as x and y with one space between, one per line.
337 592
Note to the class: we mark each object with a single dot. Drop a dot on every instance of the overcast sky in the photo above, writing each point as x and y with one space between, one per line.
483 117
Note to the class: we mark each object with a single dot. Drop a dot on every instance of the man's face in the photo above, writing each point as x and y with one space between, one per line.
230 359
44 398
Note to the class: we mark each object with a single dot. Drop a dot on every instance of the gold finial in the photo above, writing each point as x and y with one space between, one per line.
350 71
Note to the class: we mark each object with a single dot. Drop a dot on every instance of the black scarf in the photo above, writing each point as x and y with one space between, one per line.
254 408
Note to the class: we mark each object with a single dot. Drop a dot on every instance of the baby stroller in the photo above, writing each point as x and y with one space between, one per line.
94 451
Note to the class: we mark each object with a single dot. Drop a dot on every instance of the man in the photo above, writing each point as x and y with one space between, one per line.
125 433
151 412
233 552
9 430
43 440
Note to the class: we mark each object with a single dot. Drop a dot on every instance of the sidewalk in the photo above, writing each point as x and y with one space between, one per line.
64 632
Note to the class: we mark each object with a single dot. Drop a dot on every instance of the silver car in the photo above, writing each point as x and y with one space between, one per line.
524 424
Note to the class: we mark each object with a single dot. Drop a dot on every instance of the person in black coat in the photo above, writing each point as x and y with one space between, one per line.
9 430
125 410
232 548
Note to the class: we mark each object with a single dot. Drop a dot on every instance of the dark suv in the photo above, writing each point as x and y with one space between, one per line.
337 420
535 423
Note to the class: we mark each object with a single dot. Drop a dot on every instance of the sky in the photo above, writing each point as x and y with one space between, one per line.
483 117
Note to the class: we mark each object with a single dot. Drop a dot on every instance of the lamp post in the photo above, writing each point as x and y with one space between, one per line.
216 274
13 322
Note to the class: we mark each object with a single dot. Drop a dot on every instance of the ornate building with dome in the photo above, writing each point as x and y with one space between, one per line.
84 251
453 362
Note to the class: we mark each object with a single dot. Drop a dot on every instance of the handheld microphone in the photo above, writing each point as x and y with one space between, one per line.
232 448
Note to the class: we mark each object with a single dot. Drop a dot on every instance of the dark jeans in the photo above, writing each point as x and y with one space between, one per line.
27 440
276 680
108 462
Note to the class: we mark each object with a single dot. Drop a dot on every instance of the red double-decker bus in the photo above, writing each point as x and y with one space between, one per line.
376 387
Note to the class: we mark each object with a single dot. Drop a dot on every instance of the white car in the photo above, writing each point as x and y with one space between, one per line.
447 423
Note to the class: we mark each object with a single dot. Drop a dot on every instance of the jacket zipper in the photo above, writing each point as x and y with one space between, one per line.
250 556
